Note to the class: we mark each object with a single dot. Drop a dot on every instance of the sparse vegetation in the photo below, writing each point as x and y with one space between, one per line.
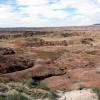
67 34
94 88
91 51
97 91
51 55
87 41
33 90
41 85
14 97
5 80
74 51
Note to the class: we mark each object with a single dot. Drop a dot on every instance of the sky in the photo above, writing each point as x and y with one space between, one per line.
48 13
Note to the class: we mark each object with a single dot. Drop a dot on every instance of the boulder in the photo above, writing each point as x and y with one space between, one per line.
37 72
75 79
6 51
9 64
44 71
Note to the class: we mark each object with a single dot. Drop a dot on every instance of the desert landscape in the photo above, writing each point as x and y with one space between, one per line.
50 63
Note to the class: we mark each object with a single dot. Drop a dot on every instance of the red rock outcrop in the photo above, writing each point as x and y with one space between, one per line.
38 71
36 42
82 70
75 79
9 64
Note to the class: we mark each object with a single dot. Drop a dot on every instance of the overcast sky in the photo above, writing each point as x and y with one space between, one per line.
42 13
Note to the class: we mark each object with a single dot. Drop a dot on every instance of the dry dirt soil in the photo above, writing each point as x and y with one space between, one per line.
62 58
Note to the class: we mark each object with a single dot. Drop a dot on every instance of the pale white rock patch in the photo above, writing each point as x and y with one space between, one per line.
79 95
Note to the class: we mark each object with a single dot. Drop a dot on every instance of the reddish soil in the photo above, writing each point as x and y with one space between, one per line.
70 61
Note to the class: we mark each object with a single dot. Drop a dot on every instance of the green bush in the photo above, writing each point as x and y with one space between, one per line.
19 89
41 85
97 91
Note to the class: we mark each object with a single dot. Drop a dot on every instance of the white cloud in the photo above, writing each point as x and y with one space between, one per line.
42 13
32 2
98 1
7 17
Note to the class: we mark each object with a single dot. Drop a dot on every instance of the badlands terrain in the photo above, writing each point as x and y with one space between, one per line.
56 63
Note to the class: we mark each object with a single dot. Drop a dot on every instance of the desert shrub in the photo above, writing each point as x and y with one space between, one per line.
20 89
14 97
97 91
66 34
91 51
23 89
51 55
64 42
52 93
38 90
28 82
35 84
36 95
49 93
87 41
37 39
5 80
64 90
94 88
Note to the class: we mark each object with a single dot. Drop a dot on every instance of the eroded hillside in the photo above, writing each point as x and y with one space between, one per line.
62 58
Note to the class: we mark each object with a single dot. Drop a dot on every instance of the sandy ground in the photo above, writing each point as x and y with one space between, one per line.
79 95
